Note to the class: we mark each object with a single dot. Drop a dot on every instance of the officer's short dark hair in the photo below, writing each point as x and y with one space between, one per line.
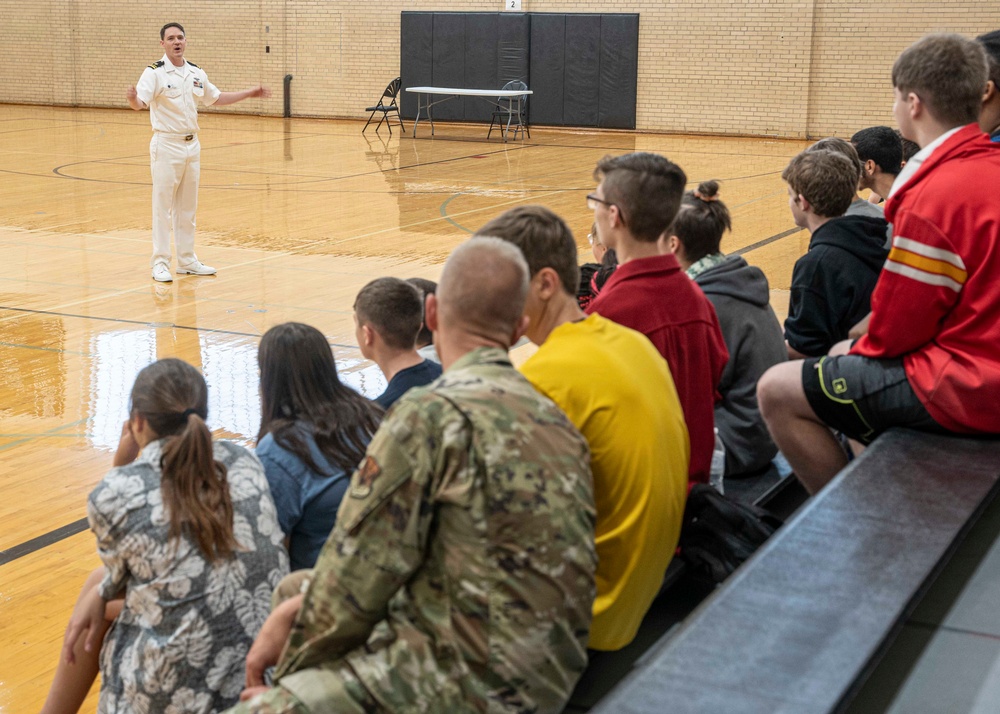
392 307
163 30
544 239
880 144
647 189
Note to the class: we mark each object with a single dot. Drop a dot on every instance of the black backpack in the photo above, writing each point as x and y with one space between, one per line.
719 534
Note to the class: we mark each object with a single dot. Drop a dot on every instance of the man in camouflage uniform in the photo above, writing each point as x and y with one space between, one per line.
459 576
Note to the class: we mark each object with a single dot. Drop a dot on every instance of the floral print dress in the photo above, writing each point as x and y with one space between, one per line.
181 640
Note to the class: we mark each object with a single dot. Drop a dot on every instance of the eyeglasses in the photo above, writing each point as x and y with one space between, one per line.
593 201
593 240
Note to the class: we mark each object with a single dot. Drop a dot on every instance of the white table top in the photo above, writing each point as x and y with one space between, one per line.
470 92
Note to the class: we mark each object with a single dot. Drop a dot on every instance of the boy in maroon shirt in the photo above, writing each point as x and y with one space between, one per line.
634 204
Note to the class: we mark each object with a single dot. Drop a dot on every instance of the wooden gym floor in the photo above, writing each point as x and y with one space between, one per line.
297 215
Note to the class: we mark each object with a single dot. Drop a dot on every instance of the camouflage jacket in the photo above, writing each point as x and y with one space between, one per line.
460 573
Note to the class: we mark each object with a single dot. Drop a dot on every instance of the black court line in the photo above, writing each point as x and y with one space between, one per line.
147 323
58 170
43 541
762 243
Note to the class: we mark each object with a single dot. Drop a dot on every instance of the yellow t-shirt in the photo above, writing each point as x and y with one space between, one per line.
617 389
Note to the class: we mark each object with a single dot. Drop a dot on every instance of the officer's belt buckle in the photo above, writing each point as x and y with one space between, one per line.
189 137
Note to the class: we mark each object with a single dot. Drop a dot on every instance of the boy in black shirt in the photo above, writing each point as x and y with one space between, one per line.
388 313
833 282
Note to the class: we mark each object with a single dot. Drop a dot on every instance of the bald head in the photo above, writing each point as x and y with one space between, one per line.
483 288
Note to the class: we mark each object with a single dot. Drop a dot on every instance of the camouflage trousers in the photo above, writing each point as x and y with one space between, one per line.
330 691
274 701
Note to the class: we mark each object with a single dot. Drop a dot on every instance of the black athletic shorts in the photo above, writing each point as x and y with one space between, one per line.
862 397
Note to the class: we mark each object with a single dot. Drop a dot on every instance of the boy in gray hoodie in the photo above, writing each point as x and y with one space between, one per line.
741 297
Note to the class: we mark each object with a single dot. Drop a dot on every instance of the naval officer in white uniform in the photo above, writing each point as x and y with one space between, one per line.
171 89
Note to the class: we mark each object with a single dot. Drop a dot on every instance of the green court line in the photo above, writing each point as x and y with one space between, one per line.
444 213
43 349
44 434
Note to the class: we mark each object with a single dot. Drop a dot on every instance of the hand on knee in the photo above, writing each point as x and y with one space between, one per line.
841 348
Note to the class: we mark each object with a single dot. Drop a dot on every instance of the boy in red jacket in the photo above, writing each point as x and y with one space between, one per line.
931 358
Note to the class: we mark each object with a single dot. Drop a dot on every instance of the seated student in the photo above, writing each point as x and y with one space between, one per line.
910 149
460 574
881 152
313 434
741 297
930 360
187 533
425 340
629 413
989 112
634 204
859 206
388 313
833 282
594 275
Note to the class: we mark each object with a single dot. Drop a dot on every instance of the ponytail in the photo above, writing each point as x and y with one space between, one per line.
171 395
196 490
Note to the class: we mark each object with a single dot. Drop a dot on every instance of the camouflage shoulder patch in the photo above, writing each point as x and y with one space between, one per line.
156 65
192 64
361 485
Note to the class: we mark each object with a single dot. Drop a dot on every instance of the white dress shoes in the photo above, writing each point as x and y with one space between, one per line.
161 273
195 268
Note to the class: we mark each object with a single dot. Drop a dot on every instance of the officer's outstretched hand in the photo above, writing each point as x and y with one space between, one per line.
260 91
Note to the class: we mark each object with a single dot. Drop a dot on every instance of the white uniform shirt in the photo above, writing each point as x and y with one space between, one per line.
172 93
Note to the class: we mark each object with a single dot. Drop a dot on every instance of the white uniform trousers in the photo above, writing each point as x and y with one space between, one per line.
176 165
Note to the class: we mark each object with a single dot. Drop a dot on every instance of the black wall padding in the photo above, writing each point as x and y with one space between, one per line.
547 67
619 71
581 84
481 42
582 68
514 35
416 35
448 50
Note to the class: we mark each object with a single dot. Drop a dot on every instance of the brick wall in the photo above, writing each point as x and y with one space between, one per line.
790 68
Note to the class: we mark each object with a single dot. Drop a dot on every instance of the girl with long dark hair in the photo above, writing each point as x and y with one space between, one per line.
191 547
313 434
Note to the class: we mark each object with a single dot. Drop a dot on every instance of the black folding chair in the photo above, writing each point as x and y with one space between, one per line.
509 107
385 108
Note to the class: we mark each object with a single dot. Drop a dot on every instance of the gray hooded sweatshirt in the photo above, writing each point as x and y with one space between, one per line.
755 341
